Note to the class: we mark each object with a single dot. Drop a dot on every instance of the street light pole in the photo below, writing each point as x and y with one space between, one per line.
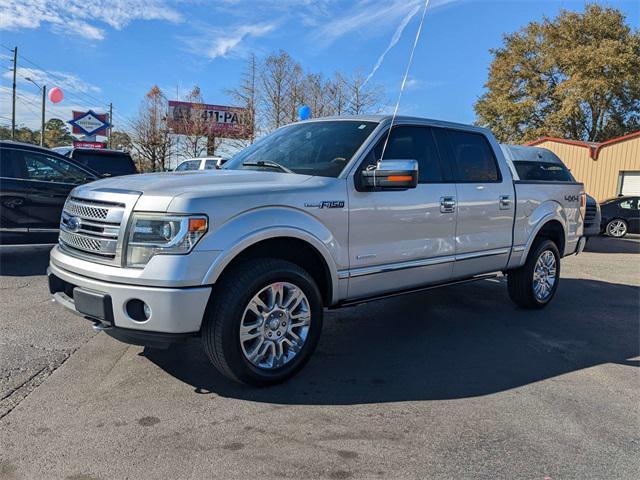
44 103
13 98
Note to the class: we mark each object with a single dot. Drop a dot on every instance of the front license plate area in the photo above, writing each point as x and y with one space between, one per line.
93 304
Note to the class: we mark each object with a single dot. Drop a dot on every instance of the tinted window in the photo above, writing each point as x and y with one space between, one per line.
210 164
470 153
190 165
111 163
542 171
10 166
310 148
414 143
628 204
51 169
410 143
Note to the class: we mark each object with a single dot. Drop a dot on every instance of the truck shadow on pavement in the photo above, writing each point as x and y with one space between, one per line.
457 342
602 244
24 260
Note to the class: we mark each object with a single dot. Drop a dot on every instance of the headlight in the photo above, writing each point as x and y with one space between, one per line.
158 234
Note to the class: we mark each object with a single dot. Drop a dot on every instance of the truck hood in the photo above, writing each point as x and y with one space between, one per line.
199 183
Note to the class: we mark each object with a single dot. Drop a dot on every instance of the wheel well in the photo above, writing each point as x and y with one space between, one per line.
553 230
295 251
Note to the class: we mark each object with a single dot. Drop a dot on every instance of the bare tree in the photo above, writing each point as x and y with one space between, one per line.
247 96
151 139
337 94
194 128
361 97
276 82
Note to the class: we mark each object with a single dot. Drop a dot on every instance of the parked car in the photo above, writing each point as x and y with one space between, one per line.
320 213
540 164
592 218
34 183
203 163
620 216
108 163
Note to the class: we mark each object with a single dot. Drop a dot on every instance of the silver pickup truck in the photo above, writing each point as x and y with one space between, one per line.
322 213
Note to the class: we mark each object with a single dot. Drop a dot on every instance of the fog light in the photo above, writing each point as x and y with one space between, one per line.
138 310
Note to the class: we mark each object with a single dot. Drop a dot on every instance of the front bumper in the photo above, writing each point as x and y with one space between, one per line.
174 311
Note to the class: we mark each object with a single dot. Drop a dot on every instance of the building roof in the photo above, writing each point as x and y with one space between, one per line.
594 147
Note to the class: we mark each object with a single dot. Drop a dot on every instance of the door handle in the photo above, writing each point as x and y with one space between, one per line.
505 202
447 204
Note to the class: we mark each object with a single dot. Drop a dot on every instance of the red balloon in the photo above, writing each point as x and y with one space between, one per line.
56 95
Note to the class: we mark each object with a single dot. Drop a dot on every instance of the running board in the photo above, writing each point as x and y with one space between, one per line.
358 301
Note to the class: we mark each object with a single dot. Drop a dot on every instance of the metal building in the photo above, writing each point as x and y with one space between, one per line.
607 169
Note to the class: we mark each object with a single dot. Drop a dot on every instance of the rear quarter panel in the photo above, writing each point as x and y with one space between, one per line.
540 202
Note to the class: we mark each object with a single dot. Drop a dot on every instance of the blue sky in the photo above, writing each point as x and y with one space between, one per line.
114 51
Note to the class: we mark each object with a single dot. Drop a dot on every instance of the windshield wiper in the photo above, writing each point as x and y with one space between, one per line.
267 163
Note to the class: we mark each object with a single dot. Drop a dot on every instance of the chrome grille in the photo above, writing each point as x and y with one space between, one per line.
88 227
86 211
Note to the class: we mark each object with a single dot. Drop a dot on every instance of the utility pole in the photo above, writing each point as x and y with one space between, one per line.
110 124
44 104
13 103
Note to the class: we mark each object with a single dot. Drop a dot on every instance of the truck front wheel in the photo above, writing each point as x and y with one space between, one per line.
534 285
264 322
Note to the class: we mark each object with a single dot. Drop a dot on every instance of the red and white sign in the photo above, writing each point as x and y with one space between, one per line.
81 144
217 120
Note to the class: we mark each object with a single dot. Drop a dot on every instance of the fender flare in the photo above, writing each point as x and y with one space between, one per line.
227 256
549 217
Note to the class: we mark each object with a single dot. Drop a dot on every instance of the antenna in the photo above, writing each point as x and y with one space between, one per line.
404 79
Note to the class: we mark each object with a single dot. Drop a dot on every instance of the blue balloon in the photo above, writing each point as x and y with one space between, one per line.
304 112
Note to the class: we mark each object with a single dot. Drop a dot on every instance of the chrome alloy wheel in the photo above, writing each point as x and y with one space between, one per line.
275 325
544 275
616 228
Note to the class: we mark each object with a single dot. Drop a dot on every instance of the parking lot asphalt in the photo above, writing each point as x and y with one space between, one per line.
450 383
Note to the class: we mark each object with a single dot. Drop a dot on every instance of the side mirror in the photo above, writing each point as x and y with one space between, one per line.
391 175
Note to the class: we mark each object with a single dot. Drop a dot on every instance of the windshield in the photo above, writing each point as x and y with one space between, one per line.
111 163
313 148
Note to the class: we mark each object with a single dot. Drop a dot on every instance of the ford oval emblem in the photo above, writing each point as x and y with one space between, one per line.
74 224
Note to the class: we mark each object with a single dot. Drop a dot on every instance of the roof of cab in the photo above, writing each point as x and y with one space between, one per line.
398 119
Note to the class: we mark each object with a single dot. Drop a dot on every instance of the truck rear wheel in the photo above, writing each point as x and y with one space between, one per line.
534 285
264 322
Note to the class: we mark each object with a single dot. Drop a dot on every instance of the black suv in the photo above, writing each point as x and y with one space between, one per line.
108 163
34 183
621 216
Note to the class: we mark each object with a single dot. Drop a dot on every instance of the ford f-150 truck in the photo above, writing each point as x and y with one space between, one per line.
321 213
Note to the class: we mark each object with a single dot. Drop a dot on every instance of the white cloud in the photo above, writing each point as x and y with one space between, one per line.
84 18
66 81
224 42
222 45
370 17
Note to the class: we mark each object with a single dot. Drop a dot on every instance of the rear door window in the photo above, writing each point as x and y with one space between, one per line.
110 163
47 168
11 164
470 154
542 171
189 165
210 164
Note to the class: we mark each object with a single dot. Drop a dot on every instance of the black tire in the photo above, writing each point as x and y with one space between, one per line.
231 295
608 230
520 282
